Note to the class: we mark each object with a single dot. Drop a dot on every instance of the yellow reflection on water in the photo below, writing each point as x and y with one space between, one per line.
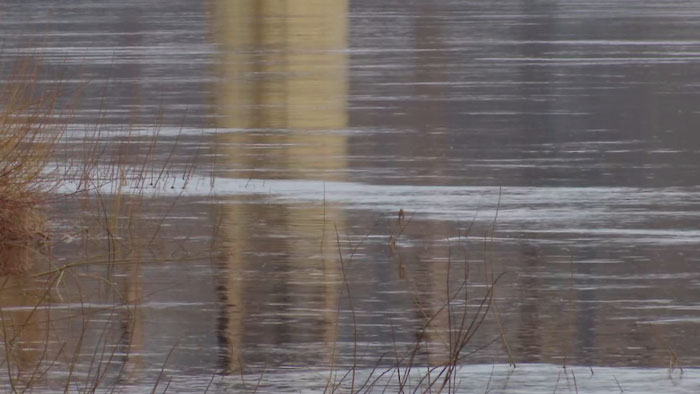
284 63
283 67
283 88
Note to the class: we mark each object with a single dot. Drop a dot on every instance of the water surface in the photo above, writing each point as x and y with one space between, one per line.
554 143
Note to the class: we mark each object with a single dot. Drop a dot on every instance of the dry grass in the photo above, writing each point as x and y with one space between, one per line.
30 125
31 122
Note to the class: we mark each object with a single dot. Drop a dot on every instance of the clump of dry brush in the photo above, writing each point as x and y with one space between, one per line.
30 125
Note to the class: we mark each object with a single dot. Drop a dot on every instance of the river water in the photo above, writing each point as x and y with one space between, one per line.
551 148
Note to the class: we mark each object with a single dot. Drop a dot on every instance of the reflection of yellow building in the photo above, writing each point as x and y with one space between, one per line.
283 87
284 67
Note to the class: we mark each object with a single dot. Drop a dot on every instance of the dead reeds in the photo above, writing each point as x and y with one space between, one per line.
30 125
447 337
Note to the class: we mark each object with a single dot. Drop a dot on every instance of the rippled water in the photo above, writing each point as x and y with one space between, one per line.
553 142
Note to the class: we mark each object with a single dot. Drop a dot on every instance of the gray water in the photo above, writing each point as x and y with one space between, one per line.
553 142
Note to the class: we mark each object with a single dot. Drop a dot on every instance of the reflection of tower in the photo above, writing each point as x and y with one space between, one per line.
283 86
284 67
